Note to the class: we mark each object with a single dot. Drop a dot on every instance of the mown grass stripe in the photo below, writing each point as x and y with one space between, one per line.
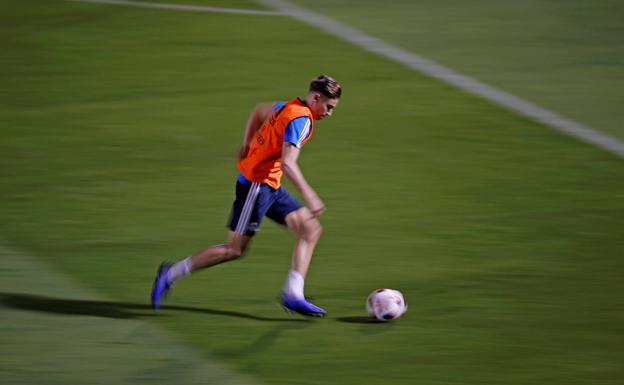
56 332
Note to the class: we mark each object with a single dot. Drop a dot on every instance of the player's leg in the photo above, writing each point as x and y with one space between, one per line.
307 230
234 248
168 273
244 222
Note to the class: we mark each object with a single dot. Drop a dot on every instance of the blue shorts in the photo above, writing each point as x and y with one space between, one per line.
253 201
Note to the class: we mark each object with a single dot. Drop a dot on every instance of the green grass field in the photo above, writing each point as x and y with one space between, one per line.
119 129
563 55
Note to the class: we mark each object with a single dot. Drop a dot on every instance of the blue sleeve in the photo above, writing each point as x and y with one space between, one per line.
277 106
297 130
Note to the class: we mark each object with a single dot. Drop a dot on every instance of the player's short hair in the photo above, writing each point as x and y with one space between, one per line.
326 85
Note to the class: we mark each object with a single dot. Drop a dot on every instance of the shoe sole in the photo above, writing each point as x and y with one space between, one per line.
314 315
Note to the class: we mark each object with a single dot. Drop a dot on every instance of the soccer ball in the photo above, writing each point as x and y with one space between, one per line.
386 304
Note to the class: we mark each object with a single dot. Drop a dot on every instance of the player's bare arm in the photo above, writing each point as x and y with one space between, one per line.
257 116
291 169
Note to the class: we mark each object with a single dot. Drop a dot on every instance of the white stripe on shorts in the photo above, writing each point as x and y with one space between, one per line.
250 202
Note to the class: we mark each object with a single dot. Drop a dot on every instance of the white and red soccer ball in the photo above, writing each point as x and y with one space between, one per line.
386 304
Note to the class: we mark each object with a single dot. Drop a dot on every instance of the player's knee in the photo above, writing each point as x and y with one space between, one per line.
233 253
312 230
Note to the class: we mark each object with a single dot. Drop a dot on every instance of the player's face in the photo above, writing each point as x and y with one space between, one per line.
323 106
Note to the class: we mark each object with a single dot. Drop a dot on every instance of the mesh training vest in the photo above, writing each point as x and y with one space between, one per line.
263 162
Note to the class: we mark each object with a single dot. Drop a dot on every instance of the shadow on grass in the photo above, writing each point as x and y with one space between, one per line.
119 310
360 320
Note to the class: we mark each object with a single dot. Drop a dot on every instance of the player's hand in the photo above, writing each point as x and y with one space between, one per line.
316 206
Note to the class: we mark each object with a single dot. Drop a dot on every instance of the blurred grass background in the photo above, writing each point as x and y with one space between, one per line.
563 55
119 130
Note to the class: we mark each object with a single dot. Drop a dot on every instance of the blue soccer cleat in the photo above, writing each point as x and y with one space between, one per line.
301 306
161 285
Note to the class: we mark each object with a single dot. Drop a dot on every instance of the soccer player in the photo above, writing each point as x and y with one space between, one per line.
273 138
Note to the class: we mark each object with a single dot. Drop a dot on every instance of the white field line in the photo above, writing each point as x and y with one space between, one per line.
411 60
183 7
447 75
